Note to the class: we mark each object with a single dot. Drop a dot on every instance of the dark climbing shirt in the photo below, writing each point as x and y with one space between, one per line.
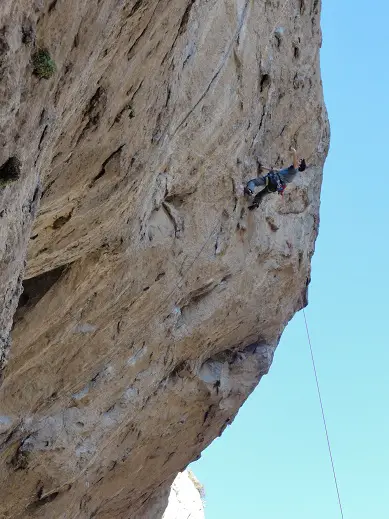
288 174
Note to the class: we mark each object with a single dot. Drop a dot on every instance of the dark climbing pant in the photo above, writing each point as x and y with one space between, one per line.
258 198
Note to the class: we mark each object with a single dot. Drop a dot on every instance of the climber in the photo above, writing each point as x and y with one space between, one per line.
275 180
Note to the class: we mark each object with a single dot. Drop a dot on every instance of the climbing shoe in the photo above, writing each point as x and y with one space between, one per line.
253 206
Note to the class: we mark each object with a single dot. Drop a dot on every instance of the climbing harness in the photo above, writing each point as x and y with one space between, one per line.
323 415
275 183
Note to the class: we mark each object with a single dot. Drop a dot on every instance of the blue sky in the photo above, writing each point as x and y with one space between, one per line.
273 463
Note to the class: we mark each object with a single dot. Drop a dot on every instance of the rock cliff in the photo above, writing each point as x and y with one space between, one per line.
152 300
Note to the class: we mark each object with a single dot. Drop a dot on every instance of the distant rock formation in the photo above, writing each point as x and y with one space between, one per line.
185 498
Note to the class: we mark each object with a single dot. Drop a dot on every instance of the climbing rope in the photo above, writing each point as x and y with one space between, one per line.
323 415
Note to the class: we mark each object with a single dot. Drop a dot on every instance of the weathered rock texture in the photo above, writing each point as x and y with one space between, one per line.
152 300
185 500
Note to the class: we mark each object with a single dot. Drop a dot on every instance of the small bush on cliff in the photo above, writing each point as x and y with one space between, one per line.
44 65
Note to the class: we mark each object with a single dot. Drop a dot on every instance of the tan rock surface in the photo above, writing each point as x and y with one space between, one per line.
153 301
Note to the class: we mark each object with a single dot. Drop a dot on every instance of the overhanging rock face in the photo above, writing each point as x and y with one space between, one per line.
153 300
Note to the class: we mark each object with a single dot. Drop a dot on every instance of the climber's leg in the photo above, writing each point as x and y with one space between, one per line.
258 198
252 184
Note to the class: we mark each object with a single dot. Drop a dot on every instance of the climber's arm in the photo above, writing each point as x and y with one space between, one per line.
295 158
264 168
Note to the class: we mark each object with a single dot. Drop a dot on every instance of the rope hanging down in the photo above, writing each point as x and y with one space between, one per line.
323 415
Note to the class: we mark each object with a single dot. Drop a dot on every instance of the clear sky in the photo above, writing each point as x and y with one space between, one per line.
273 463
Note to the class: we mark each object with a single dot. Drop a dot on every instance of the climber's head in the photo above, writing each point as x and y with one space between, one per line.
302 165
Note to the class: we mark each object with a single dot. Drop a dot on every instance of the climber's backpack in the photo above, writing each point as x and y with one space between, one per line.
275 183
